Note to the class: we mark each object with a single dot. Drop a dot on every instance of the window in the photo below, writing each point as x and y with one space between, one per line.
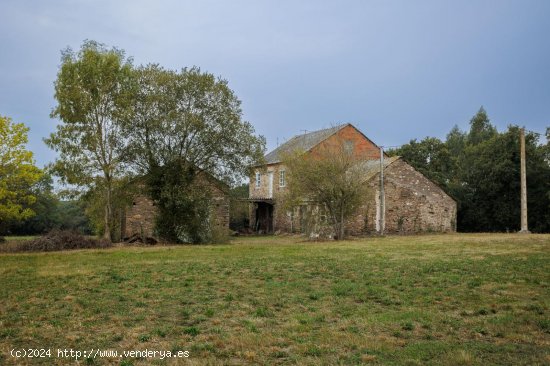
282 181
258 180
348 146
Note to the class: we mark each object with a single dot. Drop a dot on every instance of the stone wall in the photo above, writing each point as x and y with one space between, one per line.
139 218
220 207
413 204
263 190
280 217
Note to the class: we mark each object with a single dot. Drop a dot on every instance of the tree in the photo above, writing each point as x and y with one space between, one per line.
430 156
93 92
18 174
480 170
183 204
93 203
334 179
50 213
481 128
491 184
185 123
194 117
456 142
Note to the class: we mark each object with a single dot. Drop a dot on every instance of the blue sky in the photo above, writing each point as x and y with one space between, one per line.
396 69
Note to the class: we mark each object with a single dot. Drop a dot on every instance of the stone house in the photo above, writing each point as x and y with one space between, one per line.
139 217
413 203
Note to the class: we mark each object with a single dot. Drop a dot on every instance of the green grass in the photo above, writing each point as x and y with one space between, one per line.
422 300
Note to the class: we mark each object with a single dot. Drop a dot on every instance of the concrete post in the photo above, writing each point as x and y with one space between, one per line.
524 228
382 195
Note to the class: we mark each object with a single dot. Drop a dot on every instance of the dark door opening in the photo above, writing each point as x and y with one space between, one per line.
264 218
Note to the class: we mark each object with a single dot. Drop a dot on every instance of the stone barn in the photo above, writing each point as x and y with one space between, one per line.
413 203
138 219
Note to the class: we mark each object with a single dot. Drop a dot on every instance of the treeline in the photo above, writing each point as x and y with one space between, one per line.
480 169
50 212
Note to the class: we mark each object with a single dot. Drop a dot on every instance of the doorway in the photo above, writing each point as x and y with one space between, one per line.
264 218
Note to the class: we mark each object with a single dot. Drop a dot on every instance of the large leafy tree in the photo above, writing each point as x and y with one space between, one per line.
18 174
184 124
94 93
194 117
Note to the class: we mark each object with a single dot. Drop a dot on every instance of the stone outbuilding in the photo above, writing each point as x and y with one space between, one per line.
413 203
138 219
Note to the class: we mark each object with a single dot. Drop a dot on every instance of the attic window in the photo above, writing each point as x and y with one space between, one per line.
348 146
258 176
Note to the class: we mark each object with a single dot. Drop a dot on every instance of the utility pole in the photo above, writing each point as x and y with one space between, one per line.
524 229
382 196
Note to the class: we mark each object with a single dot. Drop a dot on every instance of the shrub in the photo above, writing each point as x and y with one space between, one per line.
219 235
183 204
57 240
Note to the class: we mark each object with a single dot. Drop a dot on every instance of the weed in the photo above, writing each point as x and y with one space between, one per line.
263 312
144 337
192 331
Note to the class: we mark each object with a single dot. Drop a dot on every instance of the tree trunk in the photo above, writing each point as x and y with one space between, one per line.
107 218
341 236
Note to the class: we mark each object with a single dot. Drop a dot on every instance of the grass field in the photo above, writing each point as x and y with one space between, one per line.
18 238
423 300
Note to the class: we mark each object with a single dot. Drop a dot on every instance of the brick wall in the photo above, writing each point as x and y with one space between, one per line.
363 148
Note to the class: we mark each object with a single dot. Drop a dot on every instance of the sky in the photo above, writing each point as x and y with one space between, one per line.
397 70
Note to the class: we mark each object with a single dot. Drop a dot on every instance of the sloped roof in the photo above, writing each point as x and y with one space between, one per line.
304 142
372 167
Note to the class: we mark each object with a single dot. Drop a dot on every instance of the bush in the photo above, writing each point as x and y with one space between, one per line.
182 202
56 240
219 235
